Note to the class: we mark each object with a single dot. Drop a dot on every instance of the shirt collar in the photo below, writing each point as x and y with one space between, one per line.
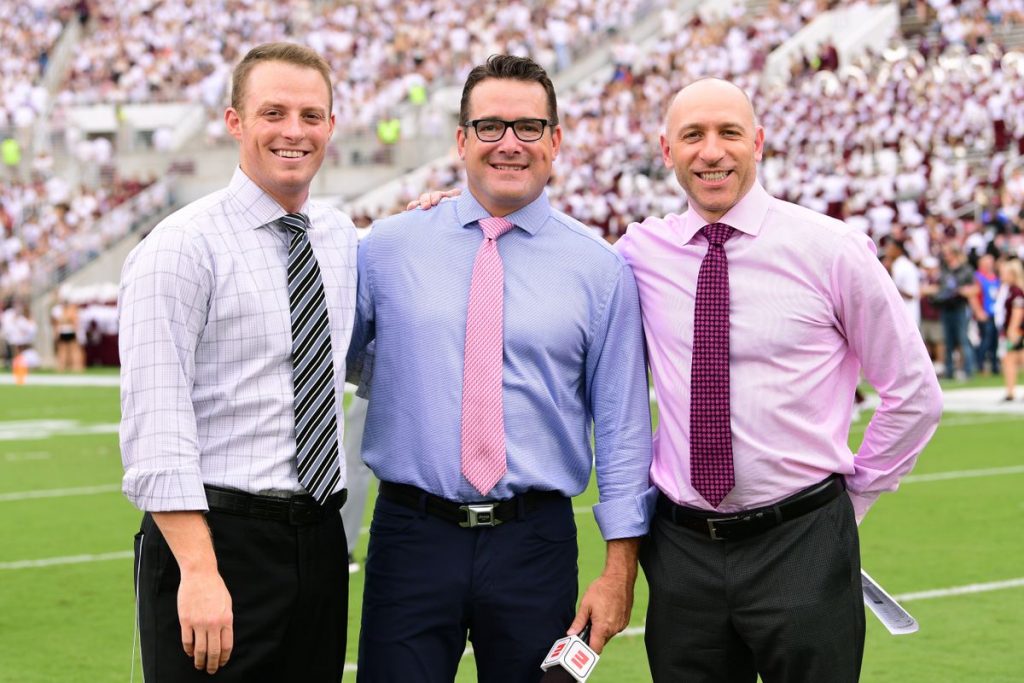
747 215
257 209
530 218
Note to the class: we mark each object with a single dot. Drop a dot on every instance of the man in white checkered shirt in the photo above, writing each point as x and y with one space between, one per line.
239 571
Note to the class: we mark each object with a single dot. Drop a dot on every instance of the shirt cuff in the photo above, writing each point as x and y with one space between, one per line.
626 517
169 490
861 503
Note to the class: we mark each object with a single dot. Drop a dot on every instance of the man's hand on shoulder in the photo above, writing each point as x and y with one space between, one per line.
429 200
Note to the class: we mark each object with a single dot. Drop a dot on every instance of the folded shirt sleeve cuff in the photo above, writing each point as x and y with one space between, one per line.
861 503
626 517
168 490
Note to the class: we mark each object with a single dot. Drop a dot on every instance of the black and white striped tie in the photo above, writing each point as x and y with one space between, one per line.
316 422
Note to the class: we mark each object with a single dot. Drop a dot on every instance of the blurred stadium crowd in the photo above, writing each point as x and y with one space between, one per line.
918 143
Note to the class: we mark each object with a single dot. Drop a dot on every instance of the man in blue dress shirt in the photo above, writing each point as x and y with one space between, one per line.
447 559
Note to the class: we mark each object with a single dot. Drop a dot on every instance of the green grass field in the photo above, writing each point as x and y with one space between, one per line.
66 603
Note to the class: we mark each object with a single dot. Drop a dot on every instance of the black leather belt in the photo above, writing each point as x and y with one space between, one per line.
755 521
468 515
297 510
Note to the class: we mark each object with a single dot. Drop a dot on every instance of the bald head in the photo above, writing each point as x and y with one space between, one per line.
713 143
715 88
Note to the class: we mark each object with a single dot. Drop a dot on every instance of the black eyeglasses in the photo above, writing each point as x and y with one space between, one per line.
492 130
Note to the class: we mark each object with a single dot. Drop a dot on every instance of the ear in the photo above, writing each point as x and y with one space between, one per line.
233 122
666 152
556 141
460 141
330 126
759 143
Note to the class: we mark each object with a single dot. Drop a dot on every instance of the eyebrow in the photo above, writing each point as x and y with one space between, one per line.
278 105
698 125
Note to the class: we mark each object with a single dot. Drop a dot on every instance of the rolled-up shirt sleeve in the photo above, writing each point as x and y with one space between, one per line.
618 398
164 300
894 360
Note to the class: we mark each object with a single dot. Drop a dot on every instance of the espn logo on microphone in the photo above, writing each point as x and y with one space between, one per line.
573 655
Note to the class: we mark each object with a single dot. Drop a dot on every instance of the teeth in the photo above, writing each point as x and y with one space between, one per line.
717 175
289 153
507 168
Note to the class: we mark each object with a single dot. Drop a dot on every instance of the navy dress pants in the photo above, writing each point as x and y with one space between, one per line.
430 583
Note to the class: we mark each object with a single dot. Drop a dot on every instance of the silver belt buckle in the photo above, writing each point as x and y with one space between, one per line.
479 514
711 526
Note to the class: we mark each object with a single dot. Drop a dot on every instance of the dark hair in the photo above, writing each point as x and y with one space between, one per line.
512 68
289 53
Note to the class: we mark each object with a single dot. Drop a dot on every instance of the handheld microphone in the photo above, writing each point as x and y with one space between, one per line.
570 659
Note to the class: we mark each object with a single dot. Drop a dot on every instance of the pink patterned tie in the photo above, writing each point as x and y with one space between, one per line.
483 423
711 469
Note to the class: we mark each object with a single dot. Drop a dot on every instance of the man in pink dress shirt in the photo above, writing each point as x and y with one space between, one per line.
768 581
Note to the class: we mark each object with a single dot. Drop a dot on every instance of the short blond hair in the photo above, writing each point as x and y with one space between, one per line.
289 53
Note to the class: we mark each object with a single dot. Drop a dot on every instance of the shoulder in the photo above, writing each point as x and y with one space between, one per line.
645 235
184 233
336 223
827 236
804 219
329 217
186 226
412 224
584 240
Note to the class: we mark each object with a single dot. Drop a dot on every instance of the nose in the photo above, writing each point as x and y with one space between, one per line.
292 126
509 143
711 149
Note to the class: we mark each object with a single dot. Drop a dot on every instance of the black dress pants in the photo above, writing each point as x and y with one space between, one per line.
785 604
289 593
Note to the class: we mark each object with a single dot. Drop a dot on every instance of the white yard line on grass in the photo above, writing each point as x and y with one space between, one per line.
634 631
69 559
962 590
578 509
961 474
59 493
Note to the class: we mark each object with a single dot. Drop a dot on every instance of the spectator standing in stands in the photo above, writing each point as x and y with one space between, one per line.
67 326
236 312
955 288
1012 275
931 324
985 311
905 276
7 316
506 335
10 154
758 314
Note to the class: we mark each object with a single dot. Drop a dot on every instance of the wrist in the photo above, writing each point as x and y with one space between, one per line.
198 568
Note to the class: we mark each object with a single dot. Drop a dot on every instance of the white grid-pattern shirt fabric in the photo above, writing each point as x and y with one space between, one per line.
206 347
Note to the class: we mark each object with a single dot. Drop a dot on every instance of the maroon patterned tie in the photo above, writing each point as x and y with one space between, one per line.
711 471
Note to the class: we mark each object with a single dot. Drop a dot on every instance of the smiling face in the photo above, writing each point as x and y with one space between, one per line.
283 128
713 143
506 175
